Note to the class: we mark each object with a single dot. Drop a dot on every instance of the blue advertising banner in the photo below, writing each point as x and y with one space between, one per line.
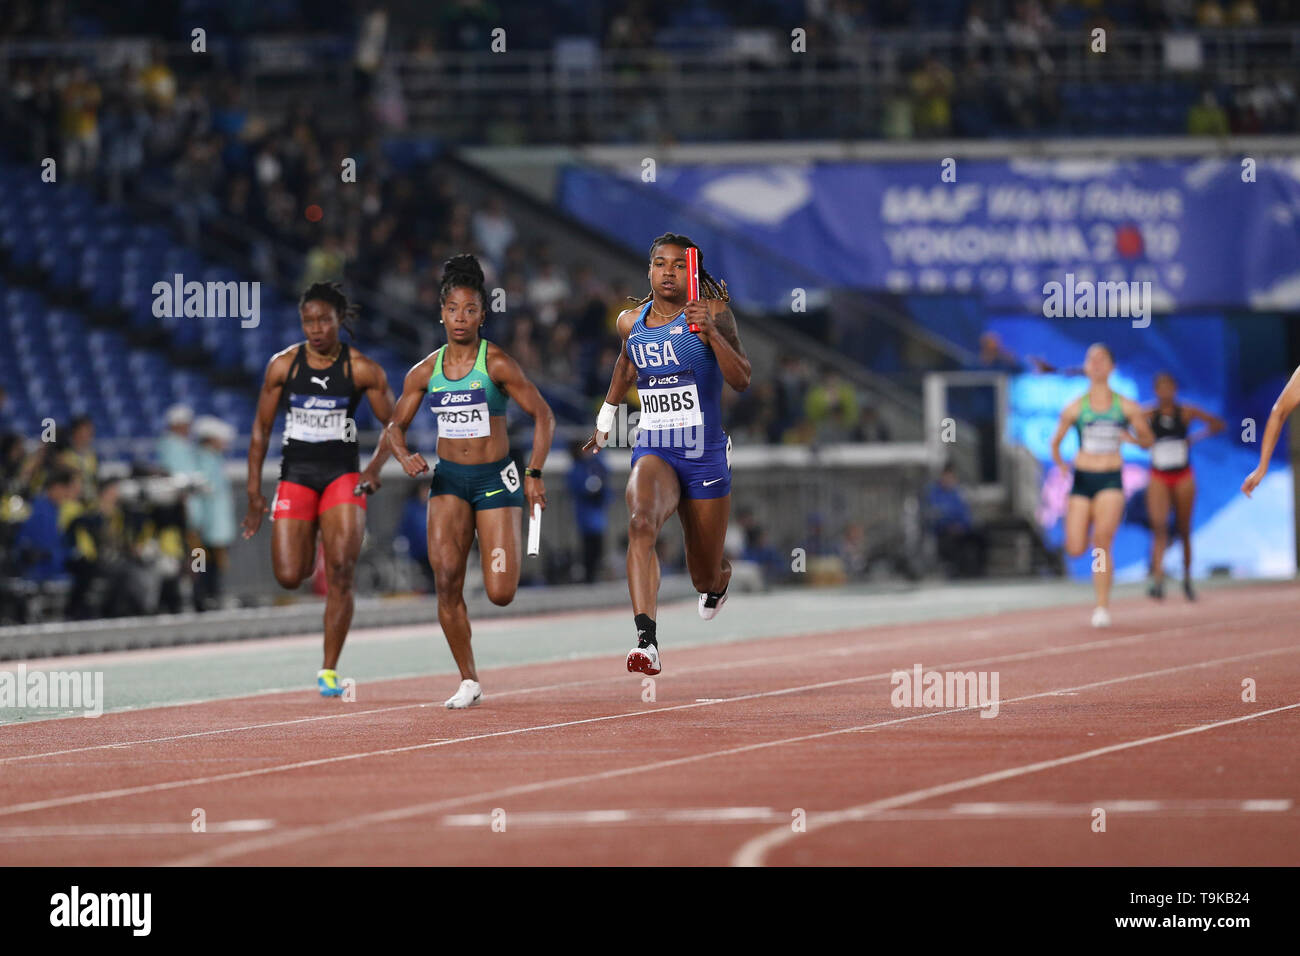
1204 233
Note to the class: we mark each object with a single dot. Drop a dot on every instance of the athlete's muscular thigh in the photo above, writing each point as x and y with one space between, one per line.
293 550
653 493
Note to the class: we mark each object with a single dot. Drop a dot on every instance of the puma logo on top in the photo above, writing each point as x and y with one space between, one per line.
322 382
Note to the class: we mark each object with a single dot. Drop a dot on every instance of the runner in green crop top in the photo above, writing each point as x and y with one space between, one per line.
1104 421
476 484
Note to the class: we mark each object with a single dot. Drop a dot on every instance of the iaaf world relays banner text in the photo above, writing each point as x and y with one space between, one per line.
1202 232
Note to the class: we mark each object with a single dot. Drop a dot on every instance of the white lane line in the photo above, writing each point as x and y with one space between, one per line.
639 817
71 799
644 816
854 649
423 809
754 851
115 830
1040 808
1139 619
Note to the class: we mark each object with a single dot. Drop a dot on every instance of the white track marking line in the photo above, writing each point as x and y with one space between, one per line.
72 799
638 817
910 641
969 811
1036 628
424 809
117 830
1028 629
752 852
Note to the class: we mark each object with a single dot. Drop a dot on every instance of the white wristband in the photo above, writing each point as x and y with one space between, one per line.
605 420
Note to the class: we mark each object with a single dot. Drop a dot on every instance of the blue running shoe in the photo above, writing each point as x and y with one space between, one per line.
328 682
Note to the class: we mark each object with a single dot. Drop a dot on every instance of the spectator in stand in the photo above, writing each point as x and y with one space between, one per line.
79 120
13 452
547 291
995 357
588 481
325 262
178 455
522 345
962 547
831 410
753 414
976 27
79 455
1243 13
216 524
760 551
42 544
932 88
1209 14
560 363
493 231
106 580
401 283
872 428
1207 117
853 550
792 388
194 194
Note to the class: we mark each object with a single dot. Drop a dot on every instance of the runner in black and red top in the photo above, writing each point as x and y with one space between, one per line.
318 384
1172 480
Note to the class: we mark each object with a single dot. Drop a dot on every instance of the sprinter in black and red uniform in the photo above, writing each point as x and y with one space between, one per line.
318 385
1172 481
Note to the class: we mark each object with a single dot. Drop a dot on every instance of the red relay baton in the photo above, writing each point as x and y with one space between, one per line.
693 278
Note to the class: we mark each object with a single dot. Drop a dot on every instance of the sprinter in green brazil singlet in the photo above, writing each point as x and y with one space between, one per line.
476 485
1103 421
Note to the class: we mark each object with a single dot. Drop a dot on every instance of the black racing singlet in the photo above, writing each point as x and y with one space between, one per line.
1169 453
320 413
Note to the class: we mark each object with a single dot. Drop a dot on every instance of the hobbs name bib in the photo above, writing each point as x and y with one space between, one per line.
669 401
316 418
461 414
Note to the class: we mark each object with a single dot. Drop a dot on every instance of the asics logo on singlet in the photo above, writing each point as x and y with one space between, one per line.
315 401
663 380
453 397
322 382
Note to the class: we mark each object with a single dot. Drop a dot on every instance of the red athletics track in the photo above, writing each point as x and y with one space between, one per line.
1144 720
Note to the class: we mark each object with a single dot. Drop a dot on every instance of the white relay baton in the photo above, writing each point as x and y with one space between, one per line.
535 530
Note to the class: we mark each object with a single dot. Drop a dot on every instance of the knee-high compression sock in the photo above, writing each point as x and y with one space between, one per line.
645 631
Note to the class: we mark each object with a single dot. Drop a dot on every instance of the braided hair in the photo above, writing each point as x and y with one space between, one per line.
331 293
710 288
463 272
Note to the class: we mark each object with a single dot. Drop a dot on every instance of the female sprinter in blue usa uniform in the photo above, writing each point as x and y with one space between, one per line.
681 459
476 485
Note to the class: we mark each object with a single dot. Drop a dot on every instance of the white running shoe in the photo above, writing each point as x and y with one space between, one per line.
468 695
644 660
710 606
1100 617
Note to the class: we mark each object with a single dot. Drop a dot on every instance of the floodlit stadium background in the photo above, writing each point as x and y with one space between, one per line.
802 145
